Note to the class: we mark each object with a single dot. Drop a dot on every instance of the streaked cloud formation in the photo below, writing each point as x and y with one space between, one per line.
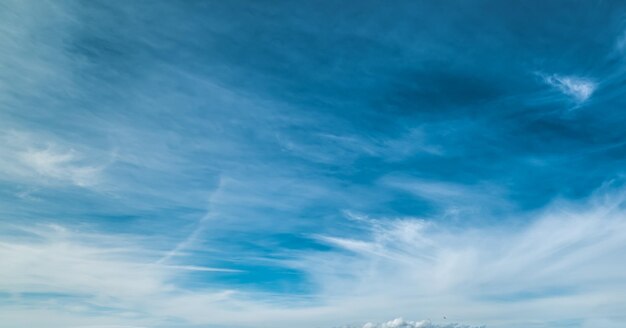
457 274
234 164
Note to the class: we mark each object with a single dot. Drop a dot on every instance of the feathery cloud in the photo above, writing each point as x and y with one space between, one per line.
577 88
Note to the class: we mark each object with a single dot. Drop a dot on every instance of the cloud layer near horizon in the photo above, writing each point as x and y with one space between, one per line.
483 275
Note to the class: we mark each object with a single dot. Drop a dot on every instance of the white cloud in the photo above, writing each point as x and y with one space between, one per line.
496 276
577 88
569 255
40 160
89 272
61 165
401 323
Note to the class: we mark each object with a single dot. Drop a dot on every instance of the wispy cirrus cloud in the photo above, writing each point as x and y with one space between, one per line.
498 276
577 88
40 160
470 274
120 120
57 165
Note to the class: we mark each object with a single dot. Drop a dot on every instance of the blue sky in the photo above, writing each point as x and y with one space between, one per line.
312 164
